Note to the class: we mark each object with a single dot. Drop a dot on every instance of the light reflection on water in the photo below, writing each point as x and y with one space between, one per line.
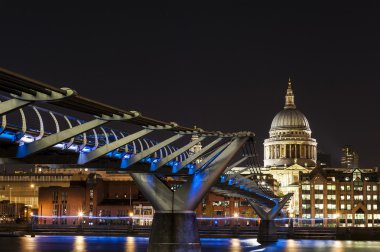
137 244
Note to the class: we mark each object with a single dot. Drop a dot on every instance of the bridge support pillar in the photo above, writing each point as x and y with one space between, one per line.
267 232
267 228
174 231
175 227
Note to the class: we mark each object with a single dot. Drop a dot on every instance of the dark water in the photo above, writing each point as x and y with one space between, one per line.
132 244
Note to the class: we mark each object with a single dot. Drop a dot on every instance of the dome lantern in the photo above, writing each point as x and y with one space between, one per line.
289 98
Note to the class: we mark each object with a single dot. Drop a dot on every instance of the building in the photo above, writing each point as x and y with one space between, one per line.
21 186
350 158
350 197
11 212
290 149
113 199
218 210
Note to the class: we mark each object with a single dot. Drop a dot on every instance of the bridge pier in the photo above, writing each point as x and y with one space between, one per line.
267 228
267 232
174 231
175 227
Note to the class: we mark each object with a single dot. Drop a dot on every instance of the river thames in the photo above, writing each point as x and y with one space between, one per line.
132 244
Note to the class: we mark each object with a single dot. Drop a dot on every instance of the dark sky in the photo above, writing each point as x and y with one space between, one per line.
218 66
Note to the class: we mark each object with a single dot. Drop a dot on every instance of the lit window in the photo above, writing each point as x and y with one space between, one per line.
358 197
348 197
342 188
319 187
305 206
374 197
331 197
331 187
341 197
342 206
331 206
368 197
369 206
374 206
305 187
318 196
319 216
348 188
348 206
319 206
375 187
368 188
305 196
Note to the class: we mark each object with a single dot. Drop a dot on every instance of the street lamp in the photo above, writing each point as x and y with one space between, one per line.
80 218
10 194
236 216
32 186
131 220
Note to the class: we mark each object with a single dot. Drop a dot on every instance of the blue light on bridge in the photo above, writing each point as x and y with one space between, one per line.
223 178
231 181
8 135
86 149
151 218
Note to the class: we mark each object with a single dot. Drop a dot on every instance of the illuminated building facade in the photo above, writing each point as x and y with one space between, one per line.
94 197
289 149
350 158
337 195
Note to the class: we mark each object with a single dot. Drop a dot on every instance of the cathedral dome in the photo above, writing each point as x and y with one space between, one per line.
288 119
290 139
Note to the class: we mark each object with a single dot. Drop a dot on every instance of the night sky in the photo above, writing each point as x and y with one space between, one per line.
218 66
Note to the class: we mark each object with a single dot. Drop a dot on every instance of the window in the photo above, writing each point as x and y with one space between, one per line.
306 216
358 197
55 196
348 188
368 188
319 187
319 206
341 197
305 206
374 207
318 196
374 197
369 206
331 187
305 196
342 206
342 188
348 197
305 187
331 197
375 187
368 197
348 206
331 206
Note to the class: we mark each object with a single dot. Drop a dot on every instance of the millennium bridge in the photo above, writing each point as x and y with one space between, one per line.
44 124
